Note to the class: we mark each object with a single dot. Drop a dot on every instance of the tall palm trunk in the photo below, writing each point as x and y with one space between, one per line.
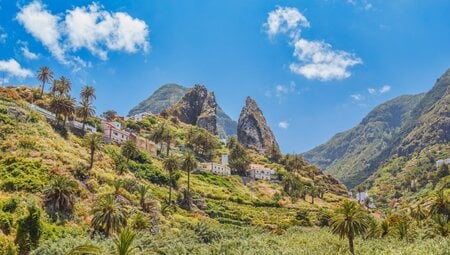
168 148
170 187
42 88
350 244
91 163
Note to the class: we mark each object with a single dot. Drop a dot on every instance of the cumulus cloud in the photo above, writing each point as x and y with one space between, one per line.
285 20
382 90
315 59
100 31
283 125
319 61
89 27
11 68
26 52
281 91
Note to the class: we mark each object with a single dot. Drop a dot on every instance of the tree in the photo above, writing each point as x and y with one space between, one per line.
440 203
29 230
60 195
84 111
109 216
157 135
274 153
349 220
239 159
109 115
124 242
170 164
168 137
142 192
189 164
88 93
94 142
61 86
293 162
62 105
44 75
129 149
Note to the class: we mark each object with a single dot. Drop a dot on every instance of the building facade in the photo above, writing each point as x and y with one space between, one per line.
144 144
441 162
218 168
112 132
260 172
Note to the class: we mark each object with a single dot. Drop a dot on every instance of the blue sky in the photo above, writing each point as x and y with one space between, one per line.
315 67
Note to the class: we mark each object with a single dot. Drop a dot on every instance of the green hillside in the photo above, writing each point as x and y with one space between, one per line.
352 156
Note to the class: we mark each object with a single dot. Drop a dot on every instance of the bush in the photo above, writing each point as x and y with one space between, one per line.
323 217
6 222
7 247
10 205
150 173
302 218
23 174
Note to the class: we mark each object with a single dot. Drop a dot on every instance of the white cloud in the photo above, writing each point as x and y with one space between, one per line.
283 125
43 26
357 97
316 59
382 90
285 20
27 53
100 31
362 4
90 27
11 68
319 61
281 91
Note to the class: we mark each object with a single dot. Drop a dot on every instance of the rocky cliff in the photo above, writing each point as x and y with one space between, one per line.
197 107
253 131
169 94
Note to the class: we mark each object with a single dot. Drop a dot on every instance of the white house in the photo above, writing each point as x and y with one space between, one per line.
363 198
216 168
260 172
139 116
442 161
112 132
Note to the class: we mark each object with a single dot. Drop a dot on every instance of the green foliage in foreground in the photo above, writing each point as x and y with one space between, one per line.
234 240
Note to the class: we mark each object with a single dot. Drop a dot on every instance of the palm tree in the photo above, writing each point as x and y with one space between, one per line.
350 220
65 85
109 216
129 149
168 137
142 191
170 164
88 93
84 111
418 214
60 195
94 142
440 203
85 249
55 87
44 75
189 164
124 242
62 105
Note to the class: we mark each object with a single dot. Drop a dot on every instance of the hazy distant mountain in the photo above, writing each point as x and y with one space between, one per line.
169 94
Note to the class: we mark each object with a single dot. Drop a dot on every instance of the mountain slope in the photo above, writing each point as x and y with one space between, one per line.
349 155
402 126
168 95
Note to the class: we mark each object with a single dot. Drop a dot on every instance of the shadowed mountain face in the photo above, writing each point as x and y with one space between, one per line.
401 126
170 94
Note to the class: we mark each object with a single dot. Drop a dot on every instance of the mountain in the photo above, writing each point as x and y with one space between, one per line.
197 107
168 95
253 131
402 126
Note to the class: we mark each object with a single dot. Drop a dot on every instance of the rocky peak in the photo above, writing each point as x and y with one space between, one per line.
253 131
197 107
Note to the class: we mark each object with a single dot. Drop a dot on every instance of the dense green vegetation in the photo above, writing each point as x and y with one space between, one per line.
65 192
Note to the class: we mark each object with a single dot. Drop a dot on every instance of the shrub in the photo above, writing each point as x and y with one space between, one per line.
302 218
10 205
7 247
6 222
27 143
150 173
23 174
323 217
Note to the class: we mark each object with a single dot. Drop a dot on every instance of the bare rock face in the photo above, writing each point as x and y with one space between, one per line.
197 107
253 131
